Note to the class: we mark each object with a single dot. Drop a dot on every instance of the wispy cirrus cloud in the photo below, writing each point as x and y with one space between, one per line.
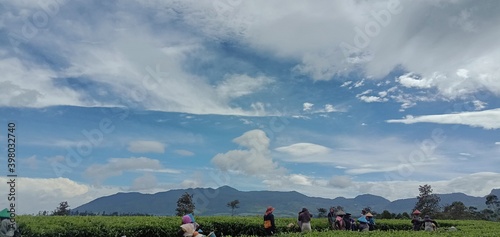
146 146
117 166
487 119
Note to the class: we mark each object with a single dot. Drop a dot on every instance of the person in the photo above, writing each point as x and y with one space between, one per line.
371 221
363 224
348 221
429 224
339 220
416 221
305 220
8 228
189 228
269 225
331 218
363 212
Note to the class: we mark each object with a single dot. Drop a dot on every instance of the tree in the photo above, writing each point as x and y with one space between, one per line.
493 205
233 204
386 215
185 204
457 211
62 209
473 213
427 202
322 212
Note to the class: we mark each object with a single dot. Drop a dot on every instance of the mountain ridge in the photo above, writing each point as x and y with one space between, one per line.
213 201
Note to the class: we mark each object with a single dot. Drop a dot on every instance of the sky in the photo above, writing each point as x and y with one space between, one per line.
327 98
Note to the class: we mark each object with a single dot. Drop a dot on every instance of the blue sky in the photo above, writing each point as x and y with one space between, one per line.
328 98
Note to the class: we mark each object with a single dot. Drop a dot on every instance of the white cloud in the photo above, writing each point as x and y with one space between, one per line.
347 83
31 162
145 182
307 106
116 166
475 184
234 86
304 150
370 99
434 51
299 179
369 155
151 73
465 154
413 80
146 147
487 119
184 152
479 105
329 108
39 194
363 96
254 160
359 83
26 84
137 66
340 182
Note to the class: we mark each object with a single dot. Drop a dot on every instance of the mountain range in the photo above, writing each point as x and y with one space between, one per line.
212 202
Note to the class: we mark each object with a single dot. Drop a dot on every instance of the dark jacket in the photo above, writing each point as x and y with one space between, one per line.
305 216
417 223
270 217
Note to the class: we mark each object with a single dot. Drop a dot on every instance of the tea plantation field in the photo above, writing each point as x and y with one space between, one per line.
149 226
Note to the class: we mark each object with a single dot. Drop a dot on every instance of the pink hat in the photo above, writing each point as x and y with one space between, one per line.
269 209
186 219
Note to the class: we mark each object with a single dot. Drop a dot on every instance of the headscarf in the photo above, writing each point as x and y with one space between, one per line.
186 219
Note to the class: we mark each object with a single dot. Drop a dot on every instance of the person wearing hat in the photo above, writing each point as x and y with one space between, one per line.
371 221
348 221
7 227
363 224
269 225
305 220
339 220
429 224
416 221
189 228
